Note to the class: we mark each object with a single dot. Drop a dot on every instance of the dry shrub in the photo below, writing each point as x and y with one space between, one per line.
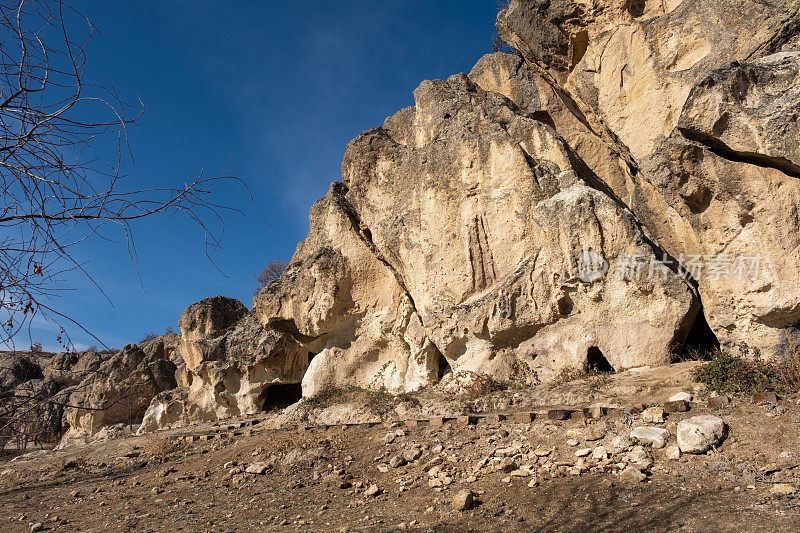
161 447
735 375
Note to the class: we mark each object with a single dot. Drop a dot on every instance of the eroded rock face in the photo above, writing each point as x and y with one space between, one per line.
475 214
118 389
749 111
576 199
231 361
343 301
706 148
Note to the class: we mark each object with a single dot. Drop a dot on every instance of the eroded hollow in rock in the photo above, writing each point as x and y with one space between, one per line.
280 396
596 362
444 367
701 341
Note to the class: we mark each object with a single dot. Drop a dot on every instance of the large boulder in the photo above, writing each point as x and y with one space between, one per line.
471 221
230 361
170 408
700 433
706 148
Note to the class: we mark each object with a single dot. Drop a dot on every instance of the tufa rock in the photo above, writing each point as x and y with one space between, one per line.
119 390
231 361
686 111
424 261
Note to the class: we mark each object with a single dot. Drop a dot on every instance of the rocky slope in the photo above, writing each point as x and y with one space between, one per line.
589 472
626 177
45 396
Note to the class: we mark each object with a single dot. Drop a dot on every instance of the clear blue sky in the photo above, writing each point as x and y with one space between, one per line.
283 84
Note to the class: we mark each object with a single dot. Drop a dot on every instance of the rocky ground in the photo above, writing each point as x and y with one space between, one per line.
553 475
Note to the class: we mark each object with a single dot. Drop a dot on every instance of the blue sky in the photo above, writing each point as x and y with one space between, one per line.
279 86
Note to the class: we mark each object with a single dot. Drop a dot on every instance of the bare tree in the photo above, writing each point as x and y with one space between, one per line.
65 180
59 187
271 272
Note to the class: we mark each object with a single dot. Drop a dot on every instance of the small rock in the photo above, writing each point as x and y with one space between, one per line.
672 453
699 433
783 488
653 415
677 406
397 461
412 454
506 452
600 453
572 442
656 437
595 432
680 397
594 412
631 475
718 402
257 468
620 444
463 501
583 452
639 459
373 490
507 464
38 526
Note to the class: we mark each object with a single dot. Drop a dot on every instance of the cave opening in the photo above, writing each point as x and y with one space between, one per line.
444 367
700 342
596 362
280 396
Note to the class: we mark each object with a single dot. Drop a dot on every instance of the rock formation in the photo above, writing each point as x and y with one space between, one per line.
116 390
664 87
44 395
230 363
583 199
472 218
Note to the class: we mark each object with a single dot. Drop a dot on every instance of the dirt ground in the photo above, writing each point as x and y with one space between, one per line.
323 478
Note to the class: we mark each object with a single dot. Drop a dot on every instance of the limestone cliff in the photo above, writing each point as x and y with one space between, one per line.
633 164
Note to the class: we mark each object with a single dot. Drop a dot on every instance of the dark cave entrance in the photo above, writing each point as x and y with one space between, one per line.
701 341
444 367
280 396
596 362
